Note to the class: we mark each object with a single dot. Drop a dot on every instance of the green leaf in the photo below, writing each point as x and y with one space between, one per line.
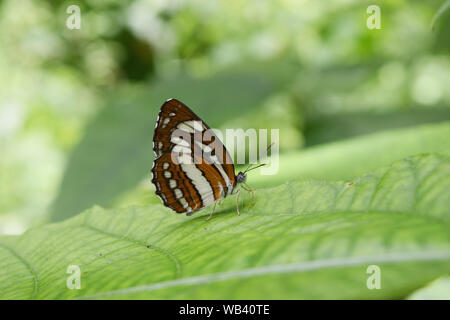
299 240
437 290
335 127
350 158
442 9
116 152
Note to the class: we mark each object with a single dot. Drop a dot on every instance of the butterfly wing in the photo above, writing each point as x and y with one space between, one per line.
172 114
189 186
185 187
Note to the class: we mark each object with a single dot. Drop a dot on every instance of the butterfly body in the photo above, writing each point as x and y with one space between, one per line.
192 168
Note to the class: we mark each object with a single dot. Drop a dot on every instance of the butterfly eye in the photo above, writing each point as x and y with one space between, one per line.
241 177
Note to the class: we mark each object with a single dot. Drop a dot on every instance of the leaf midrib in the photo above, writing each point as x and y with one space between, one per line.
281 269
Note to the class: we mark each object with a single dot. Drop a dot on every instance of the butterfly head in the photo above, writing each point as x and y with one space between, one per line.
241 177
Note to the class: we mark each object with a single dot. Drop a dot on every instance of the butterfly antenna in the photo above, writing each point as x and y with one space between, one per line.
270 146
246 169
263 164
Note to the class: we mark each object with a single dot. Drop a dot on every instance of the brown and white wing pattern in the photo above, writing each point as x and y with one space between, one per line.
188 186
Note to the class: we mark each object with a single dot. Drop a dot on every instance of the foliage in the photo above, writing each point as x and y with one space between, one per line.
438 289
77 110
350 158
290 237
443 9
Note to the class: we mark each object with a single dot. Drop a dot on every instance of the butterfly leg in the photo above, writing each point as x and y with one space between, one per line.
247 188
210 215
237 202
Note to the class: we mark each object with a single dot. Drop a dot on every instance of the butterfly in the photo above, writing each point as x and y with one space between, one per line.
192 168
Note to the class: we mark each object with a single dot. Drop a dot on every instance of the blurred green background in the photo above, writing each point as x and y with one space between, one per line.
77 107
